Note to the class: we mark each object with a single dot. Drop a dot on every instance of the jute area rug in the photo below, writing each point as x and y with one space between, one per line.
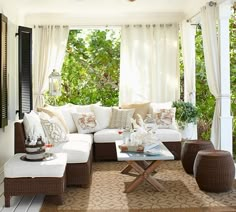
106 193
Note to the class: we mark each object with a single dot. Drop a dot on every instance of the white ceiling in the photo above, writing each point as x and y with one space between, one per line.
103 11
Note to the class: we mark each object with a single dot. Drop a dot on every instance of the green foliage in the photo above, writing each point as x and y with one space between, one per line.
233 68
91 68
205 101
186 113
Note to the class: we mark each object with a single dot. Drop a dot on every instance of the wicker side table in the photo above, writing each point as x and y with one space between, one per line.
214 170
189 152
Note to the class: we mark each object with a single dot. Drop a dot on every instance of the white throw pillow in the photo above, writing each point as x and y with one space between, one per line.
54 130
32 125
154 107
121 118
165 118
85 122
66 112
103 116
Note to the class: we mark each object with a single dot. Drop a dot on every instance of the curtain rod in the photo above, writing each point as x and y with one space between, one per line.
139 25
82 26
40 26
211 4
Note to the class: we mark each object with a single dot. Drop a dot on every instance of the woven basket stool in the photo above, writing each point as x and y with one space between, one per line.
214 170
189 152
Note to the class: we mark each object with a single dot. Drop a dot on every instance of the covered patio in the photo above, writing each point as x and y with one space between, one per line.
142 17
212 16
214 20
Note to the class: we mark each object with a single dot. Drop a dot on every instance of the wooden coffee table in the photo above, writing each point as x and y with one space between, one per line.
138 162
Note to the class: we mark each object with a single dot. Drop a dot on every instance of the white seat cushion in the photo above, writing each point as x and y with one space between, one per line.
77 148
166 135
16 168
107 136
111 135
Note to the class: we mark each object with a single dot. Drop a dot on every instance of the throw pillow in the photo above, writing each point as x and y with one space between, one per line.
140 108
103 116
154 107
54 111
165 118
54 130
32 125
85 122
121 118
66 112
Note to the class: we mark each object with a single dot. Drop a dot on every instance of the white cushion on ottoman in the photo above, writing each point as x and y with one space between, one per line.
16 168
107 136
166 135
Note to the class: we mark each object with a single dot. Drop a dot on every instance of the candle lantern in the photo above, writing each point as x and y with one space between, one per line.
55 83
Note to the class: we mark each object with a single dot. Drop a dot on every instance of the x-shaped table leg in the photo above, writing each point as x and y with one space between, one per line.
144 174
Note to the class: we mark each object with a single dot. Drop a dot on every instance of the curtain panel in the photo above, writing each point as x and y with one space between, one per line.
149 63
209 16
49 45
188 49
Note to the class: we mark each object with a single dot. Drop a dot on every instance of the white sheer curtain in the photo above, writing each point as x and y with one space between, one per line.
49 44
149 63
188 48
188 32
211 54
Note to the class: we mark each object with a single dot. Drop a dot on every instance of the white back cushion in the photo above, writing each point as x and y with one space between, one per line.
154 107
103 116
32 125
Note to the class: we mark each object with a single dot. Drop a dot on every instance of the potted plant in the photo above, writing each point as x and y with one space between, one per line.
186 117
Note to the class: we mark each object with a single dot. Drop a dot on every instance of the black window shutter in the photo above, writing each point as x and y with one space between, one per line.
3 72
25 70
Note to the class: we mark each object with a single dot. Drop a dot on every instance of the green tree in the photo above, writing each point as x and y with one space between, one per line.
91 68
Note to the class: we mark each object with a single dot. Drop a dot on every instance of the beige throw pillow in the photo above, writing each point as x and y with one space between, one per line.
165 118
140 108
121 118
52 111
53 128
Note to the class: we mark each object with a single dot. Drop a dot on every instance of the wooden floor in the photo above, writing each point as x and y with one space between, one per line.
20 203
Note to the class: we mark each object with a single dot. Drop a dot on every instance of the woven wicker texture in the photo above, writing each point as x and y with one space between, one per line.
189 152
32 186
214 170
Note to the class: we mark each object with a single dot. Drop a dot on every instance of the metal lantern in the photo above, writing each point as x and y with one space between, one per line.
55 83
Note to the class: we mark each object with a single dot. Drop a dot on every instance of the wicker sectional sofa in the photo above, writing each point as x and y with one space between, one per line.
82 147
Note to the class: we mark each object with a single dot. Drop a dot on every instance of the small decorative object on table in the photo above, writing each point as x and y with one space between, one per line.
131 148
139 141
35 150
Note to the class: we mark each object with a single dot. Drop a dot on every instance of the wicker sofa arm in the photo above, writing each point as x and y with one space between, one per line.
19 137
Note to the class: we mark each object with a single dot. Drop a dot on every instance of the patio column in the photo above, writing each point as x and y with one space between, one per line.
224 99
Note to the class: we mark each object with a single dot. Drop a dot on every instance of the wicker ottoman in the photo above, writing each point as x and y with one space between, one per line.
189 152
214 170
31 178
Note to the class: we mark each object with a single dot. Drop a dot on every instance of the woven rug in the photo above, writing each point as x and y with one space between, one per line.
106 192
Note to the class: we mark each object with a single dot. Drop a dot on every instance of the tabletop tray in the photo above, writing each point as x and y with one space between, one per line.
47 157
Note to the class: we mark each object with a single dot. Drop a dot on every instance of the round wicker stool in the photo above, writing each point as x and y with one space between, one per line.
189 152
214 170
